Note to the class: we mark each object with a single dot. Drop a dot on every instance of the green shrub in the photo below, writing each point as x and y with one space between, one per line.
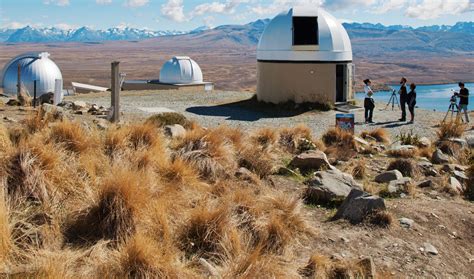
408 138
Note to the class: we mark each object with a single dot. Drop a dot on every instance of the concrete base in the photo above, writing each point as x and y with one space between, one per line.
279 82
152 85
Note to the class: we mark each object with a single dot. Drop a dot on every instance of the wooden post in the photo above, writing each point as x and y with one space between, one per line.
115 92
18 85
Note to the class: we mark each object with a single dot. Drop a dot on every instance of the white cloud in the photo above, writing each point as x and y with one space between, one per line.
209 21
18 25
227 7
280 5
103 2
57 2
174 10
429 9
64 26
344 4
136 3
390 5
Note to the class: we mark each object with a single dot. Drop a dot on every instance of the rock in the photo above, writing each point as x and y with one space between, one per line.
175 131
455 185
461 176
47 98
461 143
430 249
329 186
388 176
311 160
470 141
427 168
403 147
398 186
286 171
79 105
361 141
358 205
13 102
424 142
94 108
439 157
425 183
406 222
431 172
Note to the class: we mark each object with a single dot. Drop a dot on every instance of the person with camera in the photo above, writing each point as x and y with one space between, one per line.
463 100
411 101
369 103
403 98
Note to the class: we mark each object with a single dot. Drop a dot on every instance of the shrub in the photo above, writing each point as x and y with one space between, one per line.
408 138
450 129
168 118
379 134
406 166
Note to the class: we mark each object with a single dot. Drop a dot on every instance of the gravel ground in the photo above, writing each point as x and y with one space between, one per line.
218 107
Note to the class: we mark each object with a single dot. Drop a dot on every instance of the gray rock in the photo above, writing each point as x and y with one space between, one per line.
47 98
402 147
48 108
470 140
406 222
358 205
461 143
460 175
79 105
398 186
455 185
439 157
388 176
175 131
329 186
430 249
312 159
425 183
424 142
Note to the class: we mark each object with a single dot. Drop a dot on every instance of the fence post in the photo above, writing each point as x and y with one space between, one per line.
115 92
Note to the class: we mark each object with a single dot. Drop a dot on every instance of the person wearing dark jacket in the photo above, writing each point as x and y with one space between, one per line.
403 98
369 103
463 100
411 101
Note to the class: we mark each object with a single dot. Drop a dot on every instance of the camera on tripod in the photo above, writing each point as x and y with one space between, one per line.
454 97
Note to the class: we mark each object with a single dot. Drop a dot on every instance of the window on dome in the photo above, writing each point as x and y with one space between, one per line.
305 31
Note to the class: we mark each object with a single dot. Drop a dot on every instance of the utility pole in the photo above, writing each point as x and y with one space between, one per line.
115 92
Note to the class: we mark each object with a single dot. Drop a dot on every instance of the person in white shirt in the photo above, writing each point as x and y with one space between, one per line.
369 103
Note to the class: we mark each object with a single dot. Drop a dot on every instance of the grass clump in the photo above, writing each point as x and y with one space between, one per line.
402 153
168 118
71 135
341 144
359 171
451 129
408 138
379 134
406 166
381 218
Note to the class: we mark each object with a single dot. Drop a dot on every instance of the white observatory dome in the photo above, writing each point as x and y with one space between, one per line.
306 33
180 70
34 66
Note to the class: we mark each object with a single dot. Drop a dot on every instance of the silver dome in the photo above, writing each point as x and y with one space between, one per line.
34 66
180 70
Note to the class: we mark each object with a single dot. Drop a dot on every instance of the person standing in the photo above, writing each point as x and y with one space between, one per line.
403 98
411 101
463 100
369 103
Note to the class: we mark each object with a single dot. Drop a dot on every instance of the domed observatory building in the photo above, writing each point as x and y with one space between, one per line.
179 73
33 66
304 55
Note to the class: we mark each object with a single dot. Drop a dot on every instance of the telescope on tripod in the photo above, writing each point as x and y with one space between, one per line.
393 99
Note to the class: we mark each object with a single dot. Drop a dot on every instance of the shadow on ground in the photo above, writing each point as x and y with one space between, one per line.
252 110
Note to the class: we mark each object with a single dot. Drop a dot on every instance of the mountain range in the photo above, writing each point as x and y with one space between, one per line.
247 34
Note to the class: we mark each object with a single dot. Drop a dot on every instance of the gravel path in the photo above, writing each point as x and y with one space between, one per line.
218 107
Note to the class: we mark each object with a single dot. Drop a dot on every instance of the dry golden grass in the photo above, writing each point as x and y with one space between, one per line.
359 171
5 235
72 136
403 153
406 166
5 142
341 144
265 137
379 134
381 218
451 129
298 139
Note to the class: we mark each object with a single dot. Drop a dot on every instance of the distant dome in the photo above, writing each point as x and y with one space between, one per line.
34 66
180 70
331 43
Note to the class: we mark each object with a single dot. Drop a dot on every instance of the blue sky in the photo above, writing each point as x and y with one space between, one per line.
189 14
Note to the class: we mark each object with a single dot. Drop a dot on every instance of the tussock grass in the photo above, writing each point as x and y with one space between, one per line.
298 139
341 144
406 166
402 153
381 218
168 118
359 171
451 129
265 137
72 136
379 134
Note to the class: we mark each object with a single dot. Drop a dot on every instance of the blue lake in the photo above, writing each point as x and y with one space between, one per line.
431 97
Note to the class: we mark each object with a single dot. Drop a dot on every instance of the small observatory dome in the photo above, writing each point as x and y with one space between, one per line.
33 66
181 70
306 33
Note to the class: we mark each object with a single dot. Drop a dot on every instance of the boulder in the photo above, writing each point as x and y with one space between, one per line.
79 105
402 147
439 157
358 205
455 185
47 98
311 160
398 186
388 176
427 168
470 140
430 249
461 143
424 142
406 222
13 102
461 176
175 131
329 186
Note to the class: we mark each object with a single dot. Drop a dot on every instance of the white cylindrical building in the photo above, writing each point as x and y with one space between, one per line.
33 66
180 70
304 55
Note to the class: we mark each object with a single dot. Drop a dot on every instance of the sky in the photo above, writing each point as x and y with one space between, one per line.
190 14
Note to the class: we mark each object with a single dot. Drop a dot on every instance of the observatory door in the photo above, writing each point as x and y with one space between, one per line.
341 80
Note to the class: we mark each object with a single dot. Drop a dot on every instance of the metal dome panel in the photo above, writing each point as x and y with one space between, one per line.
34 66
276 42
181 70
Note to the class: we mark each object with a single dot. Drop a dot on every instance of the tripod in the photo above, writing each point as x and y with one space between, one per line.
453 108
393 99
